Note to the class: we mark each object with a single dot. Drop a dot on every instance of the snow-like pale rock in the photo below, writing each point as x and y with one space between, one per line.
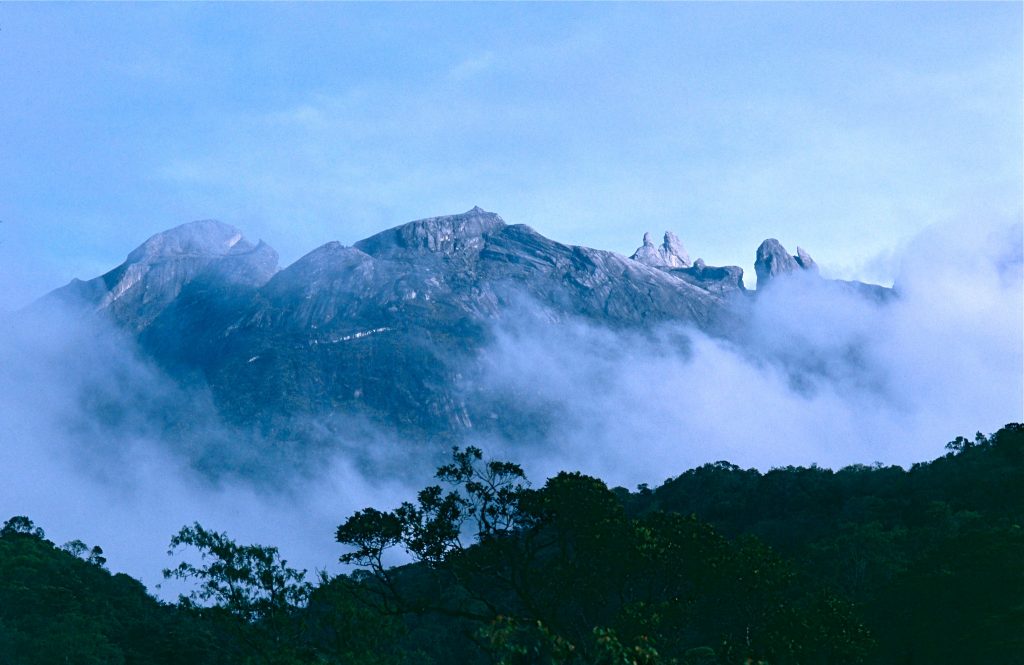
671 253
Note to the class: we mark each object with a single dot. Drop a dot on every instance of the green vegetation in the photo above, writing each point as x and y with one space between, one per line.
868 564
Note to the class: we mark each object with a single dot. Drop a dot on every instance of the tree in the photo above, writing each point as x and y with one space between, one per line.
251 582
58 607
19 524
82 551
481 504
483 496
562 574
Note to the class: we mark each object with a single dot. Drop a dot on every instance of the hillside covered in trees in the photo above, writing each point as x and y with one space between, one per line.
720 565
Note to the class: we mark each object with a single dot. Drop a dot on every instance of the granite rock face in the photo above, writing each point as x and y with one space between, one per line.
723 279
672 257
773 261
157 272
448 235
671 253
388 327
804 260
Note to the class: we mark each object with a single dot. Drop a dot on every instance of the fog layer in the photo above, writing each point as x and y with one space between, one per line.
97 444
821 375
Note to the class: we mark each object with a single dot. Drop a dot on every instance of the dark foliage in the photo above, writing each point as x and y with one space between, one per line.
720 565
562 574
58 608
932 557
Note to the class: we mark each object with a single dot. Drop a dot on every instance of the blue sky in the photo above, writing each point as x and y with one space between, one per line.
844 128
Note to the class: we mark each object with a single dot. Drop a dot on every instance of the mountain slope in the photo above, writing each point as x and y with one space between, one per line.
388 327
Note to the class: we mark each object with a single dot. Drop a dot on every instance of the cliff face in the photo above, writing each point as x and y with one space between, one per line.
385 327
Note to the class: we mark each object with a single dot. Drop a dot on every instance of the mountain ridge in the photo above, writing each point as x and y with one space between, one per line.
388 327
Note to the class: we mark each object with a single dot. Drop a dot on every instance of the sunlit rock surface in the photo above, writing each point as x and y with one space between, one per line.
671 253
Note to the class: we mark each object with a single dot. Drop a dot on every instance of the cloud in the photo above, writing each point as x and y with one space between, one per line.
98 444
822 375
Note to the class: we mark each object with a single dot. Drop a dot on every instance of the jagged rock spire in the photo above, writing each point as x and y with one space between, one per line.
671 254
804 260
773 260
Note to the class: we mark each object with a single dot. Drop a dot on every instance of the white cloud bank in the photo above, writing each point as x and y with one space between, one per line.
86 452
823 376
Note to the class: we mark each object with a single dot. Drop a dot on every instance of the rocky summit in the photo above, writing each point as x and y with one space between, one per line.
387 328
773 260
671 254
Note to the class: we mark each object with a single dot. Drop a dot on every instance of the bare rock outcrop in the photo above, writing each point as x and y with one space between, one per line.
388 328
155 274
671 253
773 261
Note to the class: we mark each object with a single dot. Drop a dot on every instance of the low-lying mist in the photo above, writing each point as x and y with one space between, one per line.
820 374
98 444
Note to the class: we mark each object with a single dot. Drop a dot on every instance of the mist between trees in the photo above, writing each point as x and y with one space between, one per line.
719 565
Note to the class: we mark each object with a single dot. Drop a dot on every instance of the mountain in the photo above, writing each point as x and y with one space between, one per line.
389 327
154 275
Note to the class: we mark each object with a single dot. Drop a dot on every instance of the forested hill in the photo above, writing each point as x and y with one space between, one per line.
723 565
933 556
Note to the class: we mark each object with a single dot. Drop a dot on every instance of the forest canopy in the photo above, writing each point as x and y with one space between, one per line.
874 564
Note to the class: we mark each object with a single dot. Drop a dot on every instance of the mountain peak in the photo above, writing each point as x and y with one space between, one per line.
447 234
394 329
156 272
804 260
203 238
671 254
773 260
